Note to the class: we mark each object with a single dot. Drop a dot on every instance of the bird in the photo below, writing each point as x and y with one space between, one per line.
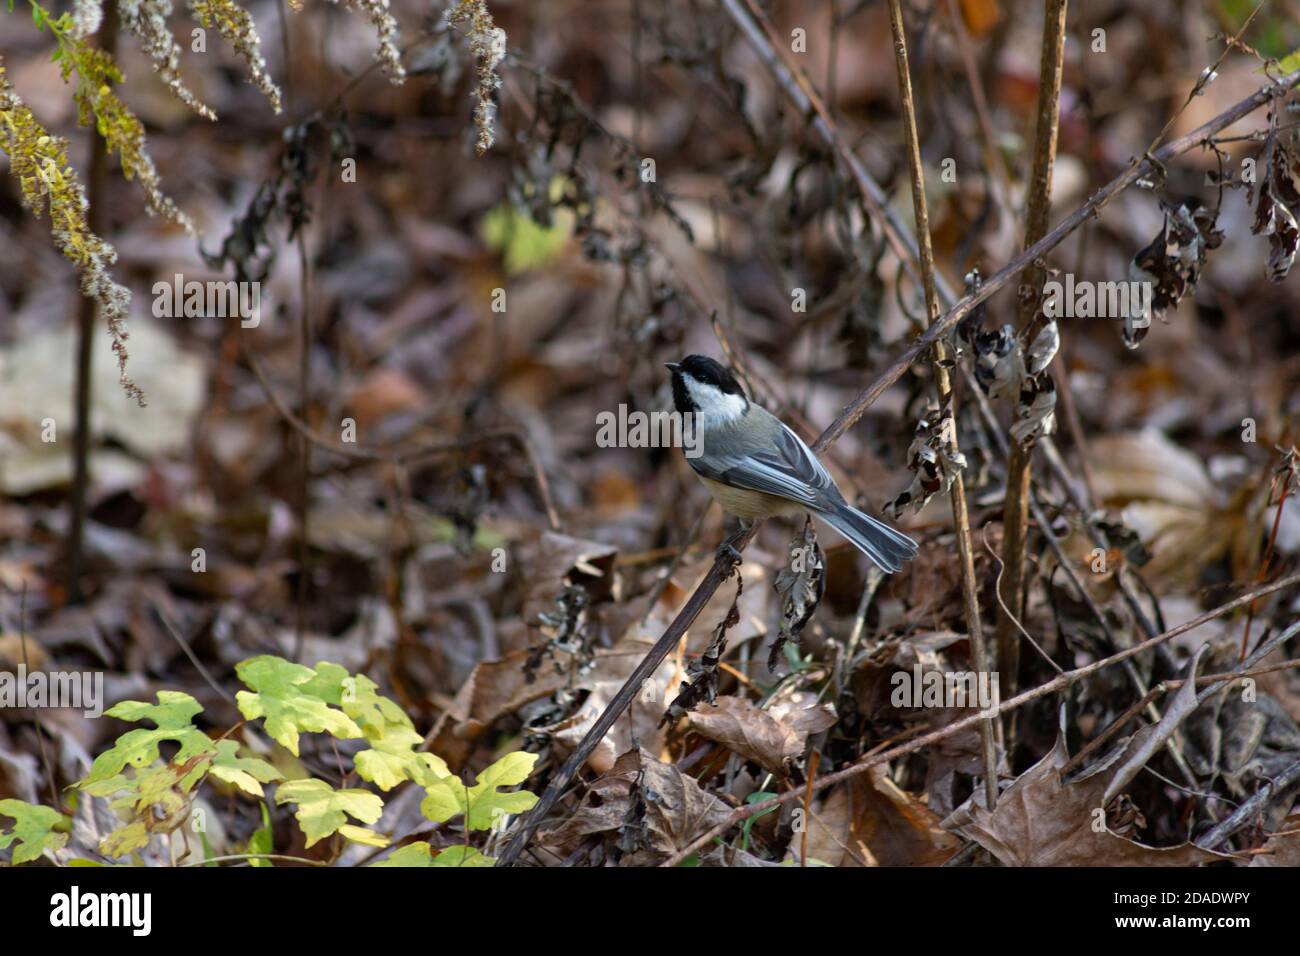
755 467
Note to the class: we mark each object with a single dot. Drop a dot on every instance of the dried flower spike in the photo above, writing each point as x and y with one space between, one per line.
236 25
146 20
487 42
87 15
390 60
39 162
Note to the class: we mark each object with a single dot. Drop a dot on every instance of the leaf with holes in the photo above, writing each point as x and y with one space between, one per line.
173 716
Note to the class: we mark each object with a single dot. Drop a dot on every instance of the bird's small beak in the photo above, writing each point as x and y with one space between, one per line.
672 366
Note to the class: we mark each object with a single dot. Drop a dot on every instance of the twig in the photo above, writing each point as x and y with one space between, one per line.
1040 518
721 570
1055 684
1015 512
1262 573
198 665
87 318
1244 813
996 169
943 383
257 856
36 724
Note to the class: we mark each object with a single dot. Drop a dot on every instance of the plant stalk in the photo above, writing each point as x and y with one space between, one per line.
943 383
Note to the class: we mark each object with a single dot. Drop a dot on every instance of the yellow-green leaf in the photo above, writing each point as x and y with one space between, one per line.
282 695
246 773
460 855
33 830
139 747
323 810
363 835
483 804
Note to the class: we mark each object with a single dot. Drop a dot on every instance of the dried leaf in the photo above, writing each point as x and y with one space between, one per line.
672 810
772 740
1042 821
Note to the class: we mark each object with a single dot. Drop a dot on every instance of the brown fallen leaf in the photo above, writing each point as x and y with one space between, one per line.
870 821
1283 847
650 810
557 561
770 738
1042 821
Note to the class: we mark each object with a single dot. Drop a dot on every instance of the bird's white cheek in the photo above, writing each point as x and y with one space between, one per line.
715 407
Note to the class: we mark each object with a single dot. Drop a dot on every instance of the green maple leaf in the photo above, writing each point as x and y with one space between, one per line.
421 854
139 747
33 830
246 773
415 854
287 695
263 839
327 683
376 714
393 758
323 810
485 800
482 803
462 856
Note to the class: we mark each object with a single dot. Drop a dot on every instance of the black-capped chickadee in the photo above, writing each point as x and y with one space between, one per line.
756 467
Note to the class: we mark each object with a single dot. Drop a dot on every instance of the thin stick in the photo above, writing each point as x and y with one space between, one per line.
1015 512
1244 813
943 383
87 319
721 570
1262 573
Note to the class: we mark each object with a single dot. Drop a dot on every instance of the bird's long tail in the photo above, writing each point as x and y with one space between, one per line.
879 542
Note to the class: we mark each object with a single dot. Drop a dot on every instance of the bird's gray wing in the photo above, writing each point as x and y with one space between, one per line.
786 468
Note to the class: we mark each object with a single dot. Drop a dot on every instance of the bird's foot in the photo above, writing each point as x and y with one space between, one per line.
727 552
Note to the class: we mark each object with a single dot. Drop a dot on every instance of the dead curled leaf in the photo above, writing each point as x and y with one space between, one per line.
771 738
1136 757
932 459
1171 263
1168 498
871 821
1277 203
801 586
1041 820
652 809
